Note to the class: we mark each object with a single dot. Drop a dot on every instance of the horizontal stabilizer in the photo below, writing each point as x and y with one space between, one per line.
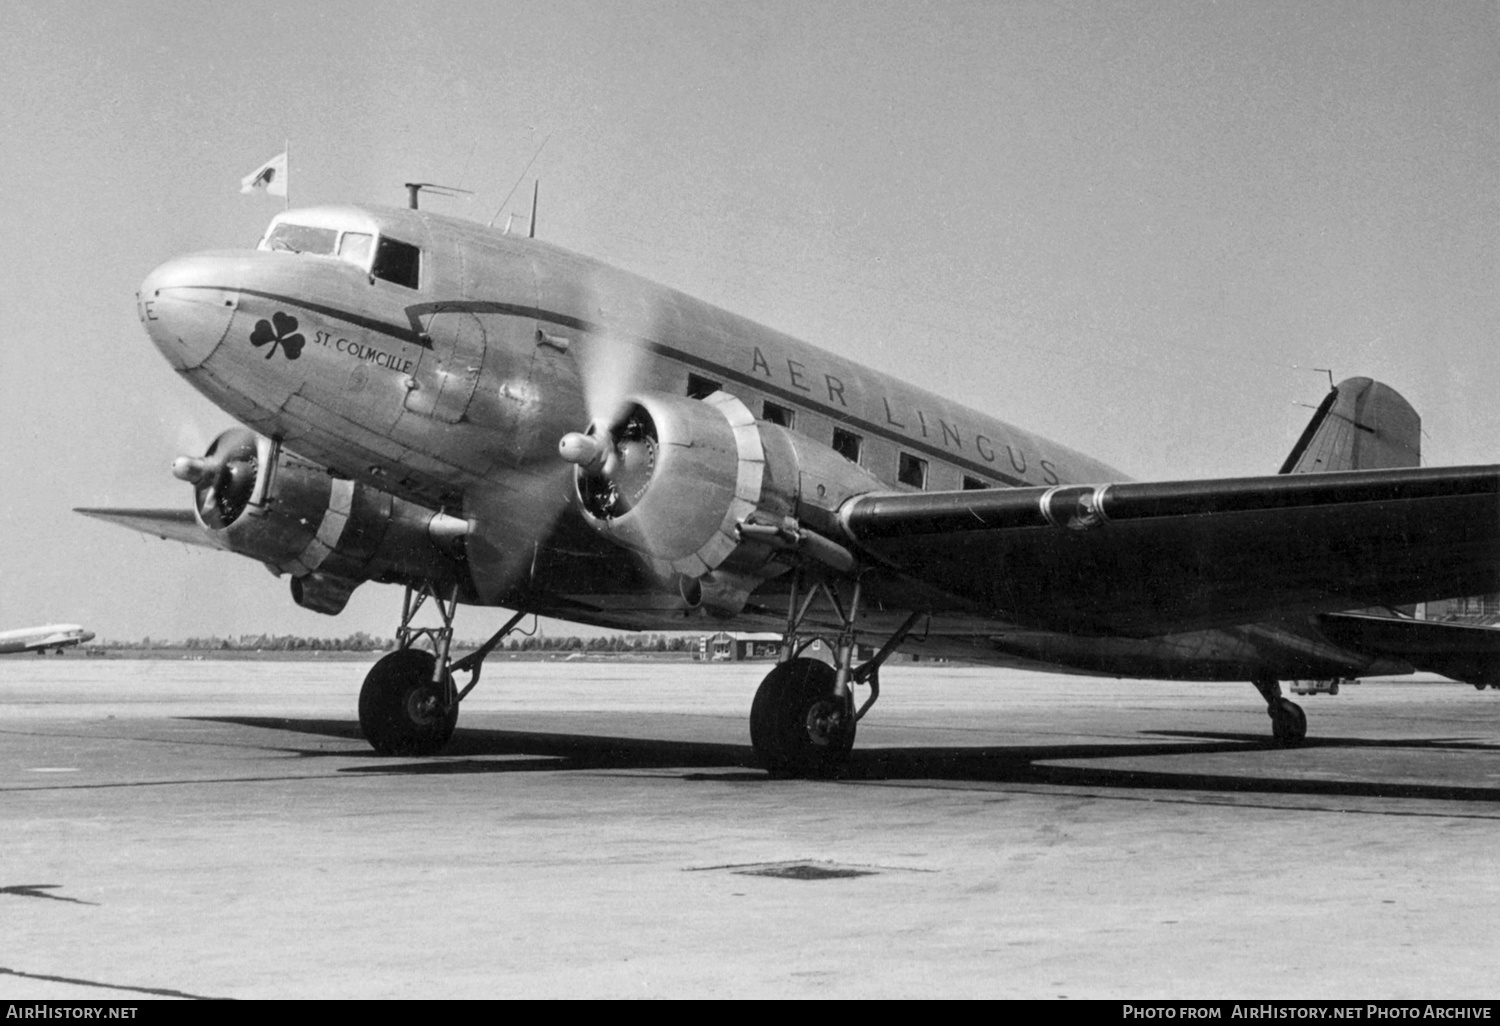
1461 651
174 524
1360 425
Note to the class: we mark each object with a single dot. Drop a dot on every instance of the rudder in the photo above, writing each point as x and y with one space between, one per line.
1360 425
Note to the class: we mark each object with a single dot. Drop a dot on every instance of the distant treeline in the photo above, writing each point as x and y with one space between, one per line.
363 642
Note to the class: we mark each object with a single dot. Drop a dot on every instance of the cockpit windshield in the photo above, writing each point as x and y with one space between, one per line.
301 238
344 234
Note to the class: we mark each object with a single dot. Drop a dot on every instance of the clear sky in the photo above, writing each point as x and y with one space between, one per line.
1132 227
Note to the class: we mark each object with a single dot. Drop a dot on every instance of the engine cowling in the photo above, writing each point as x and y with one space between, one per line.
329 533
707 494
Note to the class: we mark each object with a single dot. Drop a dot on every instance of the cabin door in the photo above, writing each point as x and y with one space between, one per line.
443 383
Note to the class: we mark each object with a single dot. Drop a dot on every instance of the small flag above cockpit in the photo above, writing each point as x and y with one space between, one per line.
270 176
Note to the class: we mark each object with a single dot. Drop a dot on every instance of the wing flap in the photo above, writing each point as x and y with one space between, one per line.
1461 651
1144 559
172 524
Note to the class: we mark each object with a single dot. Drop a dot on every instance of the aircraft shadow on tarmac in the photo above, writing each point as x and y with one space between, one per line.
512 751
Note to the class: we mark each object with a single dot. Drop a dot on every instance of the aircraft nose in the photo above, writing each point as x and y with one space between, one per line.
186 306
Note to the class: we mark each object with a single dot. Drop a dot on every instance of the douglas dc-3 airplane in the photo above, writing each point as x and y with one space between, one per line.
489 419
39 639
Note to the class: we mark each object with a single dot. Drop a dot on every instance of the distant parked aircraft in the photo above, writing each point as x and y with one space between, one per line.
39 639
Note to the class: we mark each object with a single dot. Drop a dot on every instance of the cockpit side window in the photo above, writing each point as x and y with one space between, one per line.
397 262
301 238
354 248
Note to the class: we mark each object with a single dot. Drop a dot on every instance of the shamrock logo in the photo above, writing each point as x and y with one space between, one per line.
281 334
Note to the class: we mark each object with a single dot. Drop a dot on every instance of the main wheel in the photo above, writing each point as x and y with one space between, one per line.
1288 722
798 726
401 710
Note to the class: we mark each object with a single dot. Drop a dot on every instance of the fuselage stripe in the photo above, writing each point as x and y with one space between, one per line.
409 335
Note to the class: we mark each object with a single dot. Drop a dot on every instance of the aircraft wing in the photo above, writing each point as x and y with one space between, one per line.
1143 559
174 524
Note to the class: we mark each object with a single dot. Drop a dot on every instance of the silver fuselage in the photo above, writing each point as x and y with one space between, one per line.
458 383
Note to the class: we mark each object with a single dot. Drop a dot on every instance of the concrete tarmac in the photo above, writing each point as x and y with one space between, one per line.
597 829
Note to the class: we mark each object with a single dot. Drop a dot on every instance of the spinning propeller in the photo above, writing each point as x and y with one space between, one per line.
615 452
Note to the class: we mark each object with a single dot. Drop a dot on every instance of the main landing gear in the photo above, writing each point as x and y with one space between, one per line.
803 718
409 702
1288 721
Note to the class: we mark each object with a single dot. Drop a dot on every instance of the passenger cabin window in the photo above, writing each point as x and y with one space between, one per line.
912 470
847 444
774 413
974 484
702 388
399 263
301 238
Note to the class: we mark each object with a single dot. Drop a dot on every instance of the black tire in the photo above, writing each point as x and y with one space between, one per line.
401 709
797 726
1288 722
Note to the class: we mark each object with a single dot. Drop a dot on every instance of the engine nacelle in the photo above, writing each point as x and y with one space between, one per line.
329 533
709 495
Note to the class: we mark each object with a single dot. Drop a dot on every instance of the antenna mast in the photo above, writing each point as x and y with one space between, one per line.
519 180
414 188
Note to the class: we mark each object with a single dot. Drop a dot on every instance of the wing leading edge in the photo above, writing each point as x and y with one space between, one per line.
1145 559
173 524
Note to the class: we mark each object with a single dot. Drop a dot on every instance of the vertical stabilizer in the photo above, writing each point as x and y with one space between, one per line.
1361 425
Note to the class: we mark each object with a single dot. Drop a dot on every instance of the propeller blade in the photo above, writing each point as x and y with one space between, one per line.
510 524
612 360
610 368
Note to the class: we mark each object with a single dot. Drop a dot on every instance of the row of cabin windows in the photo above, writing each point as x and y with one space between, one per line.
910 470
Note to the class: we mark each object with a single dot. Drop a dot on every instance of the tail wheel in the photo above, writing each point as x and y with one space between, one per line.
401 710
798 725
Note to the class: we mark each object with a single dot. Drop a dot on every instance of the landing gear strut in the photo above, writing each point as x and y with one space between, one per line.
1288 721
803 718
409 703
